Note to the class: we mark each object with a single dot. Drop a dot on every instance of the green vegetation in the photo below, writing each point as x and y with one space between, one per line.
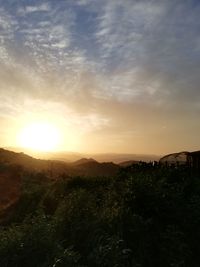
146 216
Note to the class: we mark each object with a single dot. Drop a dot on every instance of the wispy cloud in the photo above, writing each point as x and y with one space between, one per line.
103 60
44 7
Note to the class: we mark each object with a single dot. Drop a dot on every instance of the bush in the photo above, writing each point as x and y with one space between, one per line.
144 217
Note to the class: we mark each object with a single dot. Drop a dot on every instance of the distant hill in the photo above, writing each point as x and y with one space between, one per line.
61 156
118 158
69 156
128 163
13 165
54 168
29 163
83 161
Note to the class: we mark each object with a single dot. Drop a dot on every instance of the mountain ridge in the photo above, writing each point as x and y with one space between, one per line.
70 156
55 168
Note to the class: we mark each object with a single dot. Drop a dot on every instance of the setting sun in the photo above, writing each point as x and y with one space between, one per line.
40 137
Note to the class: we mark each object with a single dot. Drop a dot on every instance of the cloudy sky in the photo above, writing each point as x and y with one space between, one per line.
112 75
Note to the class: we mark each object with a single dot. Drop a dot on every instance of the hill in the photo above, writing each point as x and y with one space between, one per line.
54 168
14 165
69 156
183 158
83 161
128 163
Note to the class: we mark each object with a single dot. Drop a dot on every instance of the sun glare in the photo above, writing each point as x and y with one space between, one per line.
40 137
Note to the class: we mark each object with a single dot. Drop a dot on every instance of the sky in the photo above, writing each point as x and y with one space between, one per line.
111 75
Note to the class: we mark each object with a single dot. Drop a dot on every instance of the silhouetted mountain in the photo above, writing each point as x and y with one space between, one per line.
54 168
83 161
69 156
31 164
121 157
13 164
66 156
128 163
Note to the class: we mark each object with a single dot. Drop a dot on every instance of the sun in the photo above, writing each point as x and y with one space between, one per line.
40 137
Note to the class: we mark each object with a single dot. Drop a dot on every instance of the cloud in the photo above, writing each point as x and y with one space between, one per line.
144 51
123 24
153 45
44 7
8 26
121 66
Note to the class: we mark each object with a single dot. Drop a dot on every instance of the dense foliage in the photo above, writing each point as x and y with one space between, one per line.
146 216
